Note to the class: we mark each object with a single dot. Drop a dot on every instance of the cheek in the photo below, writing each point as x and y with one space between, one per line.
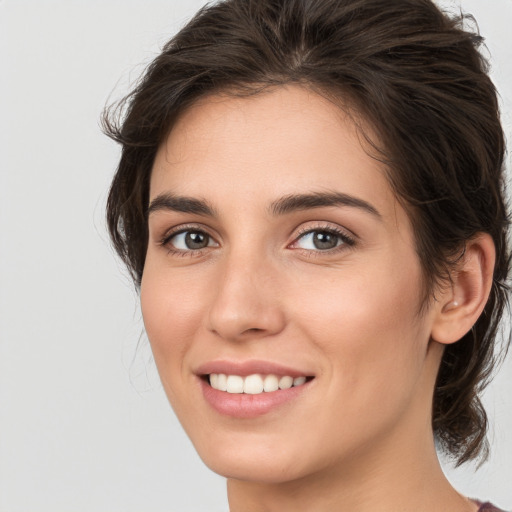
360 302
367 325
172 310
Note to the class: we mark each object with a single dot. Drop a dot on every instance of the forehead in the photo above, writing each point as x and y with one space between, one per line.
283 141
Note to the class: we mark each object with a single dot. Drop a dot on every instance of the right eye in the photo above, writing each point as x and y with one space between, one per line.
190 240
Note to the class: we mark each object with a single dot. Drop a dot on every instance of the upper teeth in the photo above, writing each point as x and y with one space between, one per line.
253 384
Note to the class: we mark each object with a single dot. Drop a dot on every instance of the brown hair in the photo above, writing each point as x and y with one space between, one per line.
416 75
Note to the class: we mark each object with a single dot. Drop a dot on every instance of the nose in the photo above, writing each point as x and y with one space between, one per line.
246 302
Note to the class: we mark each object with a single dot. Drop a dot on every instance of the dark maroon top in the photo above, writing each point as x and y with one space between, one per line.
488 507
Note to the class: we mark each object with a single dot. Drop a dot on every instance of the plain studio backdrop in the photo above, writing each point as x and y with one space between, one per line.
84 423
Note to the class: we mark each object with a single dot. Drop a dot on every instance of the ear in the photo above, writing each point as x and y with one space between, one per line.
463 300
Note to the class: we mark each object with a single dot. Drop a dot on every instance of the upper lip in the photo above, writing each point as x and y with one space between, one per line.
249 367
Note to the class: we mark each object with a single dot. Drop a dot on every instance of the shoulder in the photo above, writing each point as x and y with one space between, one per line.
488 507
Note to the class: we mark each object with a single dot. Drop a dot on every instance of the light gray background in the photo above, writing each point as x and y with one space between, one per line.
84 424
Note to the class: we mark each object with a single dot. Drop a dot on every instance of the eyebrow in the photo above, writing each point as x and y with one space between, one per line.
181 204
282 206
294 202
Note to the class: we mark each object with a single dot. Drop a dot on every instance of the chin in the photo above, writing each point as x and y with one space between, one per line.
270 471
260 460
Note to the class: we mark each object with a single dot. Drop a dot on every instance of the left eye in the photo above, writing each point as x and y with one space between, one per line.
319 240
191 240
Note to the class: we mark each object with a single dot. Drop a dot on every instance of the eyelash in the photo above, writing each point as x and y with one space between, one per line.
165 242
347 240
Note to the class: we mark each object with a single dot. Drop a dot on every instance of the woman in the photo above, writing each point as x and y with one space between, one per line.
310 200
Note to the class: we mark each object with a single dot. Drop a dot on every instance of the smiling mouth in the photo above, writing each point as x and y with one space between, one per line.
254 384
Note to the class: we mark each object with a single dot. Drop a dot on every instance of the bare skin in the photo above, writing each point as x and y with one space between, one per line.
237 272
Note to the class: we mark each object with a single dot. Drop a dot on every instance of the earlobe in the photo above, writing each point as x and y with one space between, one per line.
463 300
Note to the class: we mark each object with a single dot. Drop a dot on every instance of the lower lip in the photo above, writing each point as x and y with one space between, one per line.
242 405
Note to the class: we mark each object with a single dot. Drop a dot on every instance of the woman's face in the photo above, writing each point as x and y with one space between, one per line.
277 249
